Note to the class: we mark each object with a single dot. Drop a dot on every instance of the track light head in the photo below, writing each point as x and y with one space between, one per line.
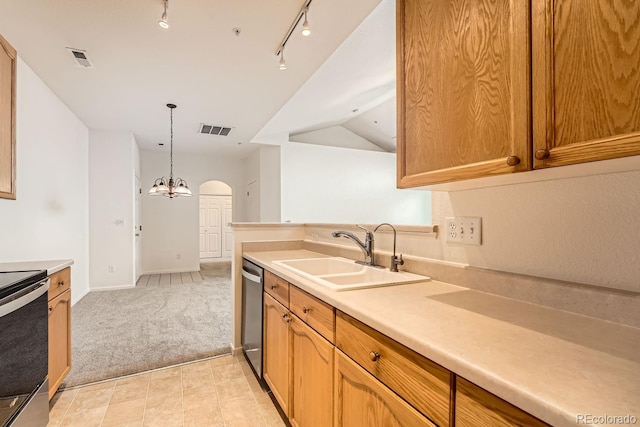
283 64
164 22
306 29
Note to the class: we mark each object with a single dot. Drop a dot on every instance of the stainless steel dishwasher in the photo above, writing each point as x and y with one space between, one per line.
252 315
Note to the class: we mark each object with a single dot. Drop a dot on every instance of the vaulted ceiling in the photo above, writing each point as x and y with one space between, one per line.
199 63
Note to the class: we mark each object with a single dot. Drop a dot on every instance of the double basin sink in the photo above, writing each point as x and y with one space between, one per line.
343 274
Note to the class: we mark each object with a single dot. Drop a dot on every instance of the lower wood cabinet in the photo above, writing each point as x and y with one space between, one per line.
362 400
367 379
476 407
311 377
276 350
59 329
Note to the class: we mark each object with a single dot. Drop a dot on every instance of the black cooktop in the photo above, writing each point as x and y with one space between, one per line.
13 281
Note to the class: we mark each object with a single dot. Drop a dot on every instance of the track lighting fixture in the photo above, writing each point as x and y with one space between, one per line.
163 22
306 29
283 64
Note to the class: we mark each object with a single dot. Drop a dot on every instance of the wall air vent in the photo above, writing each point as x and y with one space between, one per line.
214 130
80 57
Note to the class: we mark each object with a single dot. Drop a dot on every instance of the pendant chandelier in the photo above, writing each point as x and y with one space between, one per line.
170 188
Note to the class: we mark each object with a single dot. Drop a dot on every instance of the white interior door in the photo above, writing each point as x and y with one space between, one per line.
210 227
227 231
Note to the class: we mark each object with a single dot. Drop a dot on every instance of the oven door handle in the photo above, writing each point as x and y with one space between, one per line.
33 292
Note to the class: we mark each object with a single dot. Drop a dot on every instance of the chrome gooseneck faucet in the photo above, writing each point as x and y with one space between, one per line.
366 246
395 261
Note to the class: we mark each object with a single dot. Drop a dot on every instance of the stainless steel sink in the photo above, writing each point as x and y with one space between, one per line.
343 274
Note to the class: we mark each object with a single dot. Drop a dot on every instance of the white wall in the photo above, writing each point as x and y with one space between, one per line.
50 217
251 193
270 185
583 230
215 188
113 165
341 185
170 226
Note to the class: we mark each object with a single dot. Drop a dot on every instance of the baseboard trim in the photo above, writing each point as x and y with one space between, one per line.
237 351
82 294
173 270
112 288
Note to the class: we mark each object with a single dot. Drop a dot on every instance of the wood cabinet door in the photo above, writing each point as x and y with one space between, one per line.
59 340
7 120
463 89
586 80
361 400
276 350
311 377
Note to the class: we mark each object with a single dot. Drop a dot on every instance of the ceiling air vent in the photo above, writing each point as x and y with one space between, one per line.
81 57
214 130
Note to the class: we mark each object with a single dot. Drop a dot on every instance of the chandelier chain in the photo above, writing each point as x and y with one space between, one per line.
171 173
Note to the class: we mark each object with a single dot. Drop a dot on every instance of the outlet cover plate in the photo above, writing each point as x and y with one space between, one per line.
466 230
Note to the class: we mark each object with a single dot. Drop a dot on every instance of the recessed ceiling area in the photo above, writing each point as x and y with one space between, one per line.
355 89
199 63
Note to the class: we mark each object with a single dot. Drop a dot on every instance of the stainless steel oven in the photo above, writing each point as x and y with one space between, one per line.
252 315
24 349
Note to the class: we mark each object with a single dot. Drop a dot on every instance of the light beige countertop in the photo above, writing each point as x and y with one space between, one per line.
52 266
553 364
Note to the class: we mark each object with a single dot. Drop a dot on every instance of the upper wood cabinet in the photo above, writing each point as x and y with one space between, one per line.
7 120
469 70
586 80
463 89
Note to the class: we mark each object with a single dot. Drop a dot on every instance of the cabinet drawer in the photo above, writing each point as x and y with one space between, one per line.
60 282
421 382
315 313
276 287
476 407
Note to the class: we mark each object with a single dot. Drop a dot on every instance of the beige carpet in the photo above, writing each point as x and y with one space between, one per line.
156 324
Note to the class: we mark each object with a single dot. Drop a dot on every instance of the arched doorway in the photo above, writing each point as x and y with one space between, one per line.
215 217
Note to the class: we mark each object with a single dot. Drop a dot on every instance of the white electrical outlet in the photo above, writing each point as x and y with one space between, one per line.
464 229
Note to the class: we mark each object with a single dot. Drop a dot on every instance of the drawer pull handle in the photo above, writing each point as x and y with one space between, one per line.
374 356
61 282
306 310
274 286
50 308
286 317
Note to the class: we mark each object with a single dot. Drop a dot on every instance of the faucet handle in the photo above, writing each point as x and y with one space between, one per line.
362 228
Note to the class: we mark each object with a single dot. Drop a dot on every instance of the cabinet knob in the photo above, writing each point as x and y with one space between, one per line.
542 154
50 308
374 356
513 160
305 310
286 317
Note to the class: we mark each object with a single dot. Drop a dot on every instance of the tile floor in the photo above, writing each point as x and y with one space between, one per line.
170 279
218 392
